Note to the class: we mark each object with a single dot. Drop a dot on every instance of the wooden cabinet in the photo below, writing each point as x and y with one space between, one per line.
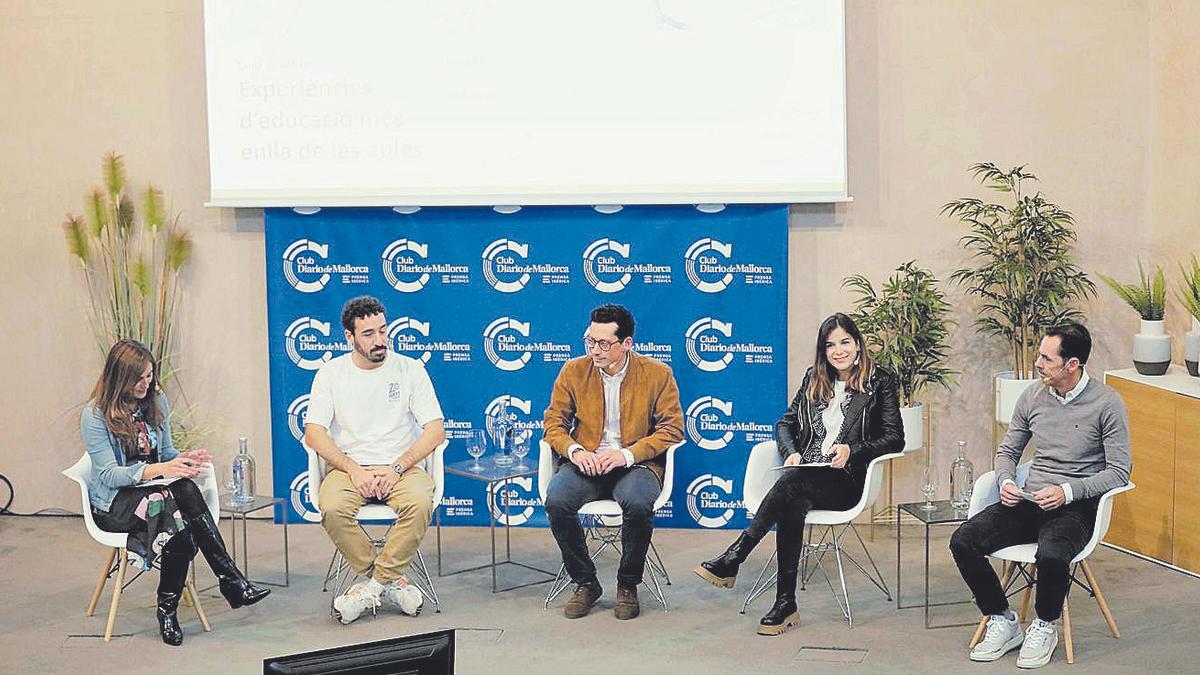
1161 517
1187 481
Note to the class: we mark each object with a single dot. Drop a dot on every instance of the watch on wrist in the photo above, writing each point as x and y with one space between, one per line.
399 468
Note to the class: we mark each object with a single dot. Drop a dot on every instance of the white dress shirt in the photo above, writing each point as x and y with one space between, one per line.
611 437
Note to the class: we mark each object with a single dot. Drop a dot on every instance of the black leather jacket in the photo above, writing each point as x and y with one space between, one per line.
872 426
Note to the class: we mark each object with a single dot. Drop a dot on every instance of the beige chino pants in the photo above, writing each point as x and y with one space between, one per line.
412 500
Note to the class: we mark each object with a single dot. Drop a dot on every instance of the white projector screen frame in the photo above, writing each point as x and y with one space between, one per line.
528 102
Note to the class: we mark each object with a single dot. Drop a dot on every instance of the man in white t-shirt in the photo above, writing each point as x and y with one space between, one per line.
373 417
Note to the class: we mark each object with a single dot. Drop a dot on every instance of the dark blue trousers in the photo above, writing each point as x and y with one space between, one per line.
634 489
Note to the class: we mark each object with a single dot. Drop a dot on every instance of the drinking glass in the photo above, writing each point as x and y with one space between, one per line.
928 486
476 445
229 482
520 448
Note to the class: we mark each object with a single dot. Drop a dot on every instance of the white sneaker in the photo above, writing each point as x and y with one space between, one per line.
1040 640
405 596
351 604
1003 635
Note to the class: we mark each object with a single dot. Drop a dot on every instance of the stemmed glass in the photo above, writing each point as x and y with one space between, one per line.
476 445
928 485
520 448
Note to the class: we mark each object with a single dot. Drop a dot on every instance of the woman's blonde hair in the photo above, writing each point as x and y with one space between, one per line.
820 384
113 393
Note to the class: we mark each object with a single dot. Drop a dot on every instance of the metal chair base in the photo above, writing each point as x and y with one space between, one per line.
832 540
607 536
343 575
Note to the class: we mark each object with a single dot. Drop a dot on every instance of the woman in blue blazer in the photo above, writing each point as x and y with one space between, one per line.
128 438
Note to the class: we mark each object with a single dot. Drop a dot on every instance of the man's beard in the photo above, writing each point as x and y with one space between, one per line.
374 356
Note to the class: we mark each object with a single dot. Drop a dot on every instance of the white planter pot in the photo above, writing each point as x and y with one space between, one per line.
1152 349
1191 348
914 427
1008 389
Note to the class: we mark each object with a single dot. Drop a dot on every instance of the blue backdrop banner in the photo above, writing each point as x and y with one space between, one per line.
494 304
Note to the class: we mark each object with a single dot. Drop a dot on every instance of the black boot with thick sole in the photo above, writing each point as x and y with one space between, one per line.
722 570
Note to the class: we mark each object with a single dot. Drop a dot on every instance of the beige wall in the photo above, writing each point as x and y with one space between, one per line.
1097 97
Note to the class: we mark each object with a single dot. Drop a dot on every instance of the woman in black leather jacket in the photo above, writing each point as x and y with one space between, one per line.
845 414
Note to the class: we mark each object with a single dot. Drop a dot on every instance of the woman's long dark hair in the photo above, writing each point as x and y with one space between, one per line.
820 385
113 393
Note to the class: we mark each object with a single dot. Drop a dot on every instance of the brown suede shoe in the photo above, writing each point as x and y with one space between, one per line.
627 606
582 600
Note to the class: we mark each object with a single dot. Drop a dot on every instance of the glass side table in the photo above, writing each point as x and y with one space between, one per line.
942 514
239 511
495 477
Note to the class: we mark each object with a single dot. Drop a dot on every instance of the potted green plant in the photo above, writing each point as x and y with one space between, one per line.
1189 297
1023 271
1148 297
131 263
907 329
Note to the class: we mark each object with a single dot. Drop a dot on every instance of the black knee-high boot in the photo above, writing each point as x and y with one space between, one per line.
174 562
783 615
236 588
722 570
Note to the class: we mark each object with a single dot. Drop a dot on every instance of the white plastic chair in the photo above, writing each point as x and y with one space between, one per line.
378 514
1020 558
761 476
604 522
116 541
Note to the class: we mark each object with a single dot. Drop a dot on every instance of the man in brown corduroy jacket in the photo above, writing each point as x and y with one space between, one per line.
612 416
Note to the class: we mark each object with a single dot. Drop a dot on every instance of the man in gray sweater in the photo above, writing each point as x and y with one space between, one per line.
1080 430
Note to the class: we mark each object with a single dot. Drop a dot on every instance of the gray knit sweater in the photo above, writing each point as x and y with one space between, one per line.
1084 443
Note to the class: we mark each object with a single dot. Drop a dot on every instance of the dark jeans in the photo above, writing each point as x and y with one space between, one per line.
634 489
1059 533
788 502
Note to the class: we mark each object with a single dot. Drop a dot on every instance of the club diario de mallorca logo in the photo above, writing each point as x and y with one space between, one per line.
411 337
458 429
298 496
507 345
407 268
306 267
506 267
520 416
703 420
712 274
710 346
658 350
710 501
608 267
308 343
299 258
698 258
696 340
516 496
709 424
296 414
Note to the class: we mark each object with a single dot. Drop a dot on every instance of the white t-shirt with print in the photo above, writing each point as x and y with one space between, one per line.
373 415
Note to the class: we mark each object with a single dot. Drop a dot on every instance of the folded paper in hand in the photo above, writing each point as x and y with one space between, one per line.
797 466
159 481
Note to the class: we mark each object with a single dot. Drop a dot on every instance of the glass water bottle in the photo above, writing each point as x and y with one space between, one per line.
243 473
502 429
962 479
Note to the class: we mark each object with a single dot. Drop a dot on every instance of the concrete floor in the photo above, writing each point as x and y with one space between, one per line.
48 567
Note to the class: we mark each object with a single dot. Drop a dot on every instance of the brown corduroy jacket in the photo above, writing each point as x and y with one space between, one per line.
651 417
